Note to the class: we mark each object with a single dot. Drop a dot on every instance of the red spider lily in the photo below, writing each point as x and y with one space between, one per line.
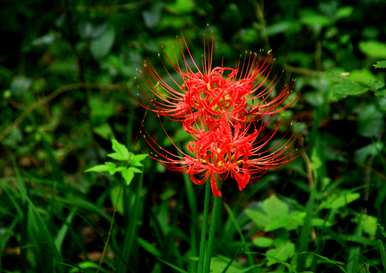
219 108
238 151
202 96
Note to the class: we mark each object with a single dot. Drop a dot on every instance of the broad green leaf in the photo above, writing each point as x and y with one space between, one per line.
281 253
368 224
380 64
341 86
274 214
338 200
365 77
121 152
102 44
373 49
262 242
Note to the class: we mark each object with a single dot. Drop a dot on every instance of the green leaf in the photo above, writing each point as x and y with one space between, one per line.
218 264
181 6
116 196
104 131
338 200
63 230
273 214
372 149
365 77
109 167
341 86
370 121
368 224
262 242
127 175
314 20
121 152
136 160
281 253
380 64
373 49
102 44
149 247
344 12
84 265
101 109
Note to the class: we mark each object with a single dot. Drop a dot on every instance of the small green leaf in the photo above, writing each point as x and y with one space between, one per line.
339 200
121 152
181 6
127 175
262 242
109 167
136 160
116 196
380 64
280 254
344 12
373 49
368 224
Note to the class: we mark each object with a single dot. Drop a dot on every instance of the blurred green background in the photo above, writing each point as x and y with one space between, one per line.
71 80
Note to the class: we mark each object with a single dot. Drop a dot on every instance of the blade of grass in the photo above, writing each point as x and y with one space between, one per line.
46 255
238 228
63 230
382 253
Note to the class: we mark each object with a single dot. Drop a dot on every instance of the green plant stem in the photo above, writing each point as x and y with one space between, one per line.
194 219
212 231
204 229
134 213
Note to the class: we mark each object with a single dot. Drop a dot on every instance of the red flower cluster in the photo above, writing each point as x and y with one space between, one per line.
224 111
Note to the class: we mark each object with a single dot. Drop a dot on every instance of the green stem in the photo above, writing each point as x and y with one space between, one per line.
193 236
204 229
212 231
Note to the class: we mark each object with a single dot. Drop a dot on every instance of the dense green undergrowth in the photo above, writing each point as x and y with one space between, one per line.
71 81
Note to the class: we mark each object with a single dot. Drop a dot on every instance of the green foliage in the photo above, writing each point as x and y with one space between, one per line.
127 158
